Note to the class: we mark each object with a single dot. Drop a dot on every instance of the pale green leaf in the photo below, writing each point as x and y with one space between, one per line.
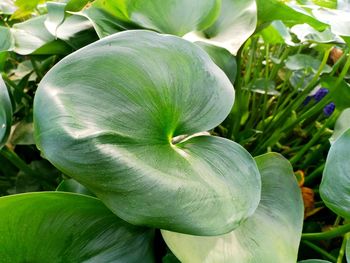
303 61
306 33
6 39
342 124
31 35
64 227
236 23
337 19
335 185
173 17
271 235
110 116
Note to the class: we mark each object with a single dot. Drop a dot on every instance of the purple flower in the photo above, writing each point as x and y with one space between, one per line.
307 100
320 94
328 109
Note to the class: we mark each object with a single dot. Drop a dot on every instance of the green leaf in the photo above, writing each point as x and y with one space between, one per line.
326 3
112 114
303 61
5 113
340 94
337 19
31 35
6 39
224 59
306 33
335 185
62 227
347 249
277 33
263 86
272 234
342 124
236 23
314 261
105 24
290 14
173 17
76 5
74 29
72 186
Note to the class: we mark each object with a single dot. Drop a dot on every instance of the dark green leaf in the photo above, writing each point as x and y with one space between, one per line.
64 227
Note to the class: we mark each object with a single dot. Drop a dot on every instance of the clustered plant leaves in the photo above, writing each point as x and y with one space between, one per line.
128 130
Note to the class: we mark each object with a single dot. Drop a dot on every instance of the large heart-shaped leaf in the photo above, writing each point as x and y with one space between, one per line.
64 227
112 116
271 235
237 21
5 113
335 185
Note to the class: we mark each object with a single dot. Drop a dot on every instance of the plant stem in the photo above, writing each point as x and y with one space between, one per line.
316 173
314 139
342 248
335 232
320 251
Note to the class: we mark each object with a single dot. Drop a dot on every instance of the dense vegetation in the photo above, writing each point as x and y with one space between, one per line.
167 131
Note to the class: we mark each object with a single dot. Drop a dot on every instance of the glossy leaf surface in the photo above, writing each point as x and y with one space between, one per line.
110 115
237 21
31 36
335 185
342 125
271 235
72 186
5 113
223 58
64 227
173 17
290 14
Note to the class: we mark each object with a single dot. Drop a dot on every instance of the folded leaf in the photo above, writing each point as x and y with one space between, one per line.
64 227
236 23
113 115
271 235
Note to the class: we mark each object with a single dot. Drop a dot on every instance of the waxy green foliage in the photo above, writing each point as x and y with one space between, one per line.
271 235
5 113
65 227
115 130
335 185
